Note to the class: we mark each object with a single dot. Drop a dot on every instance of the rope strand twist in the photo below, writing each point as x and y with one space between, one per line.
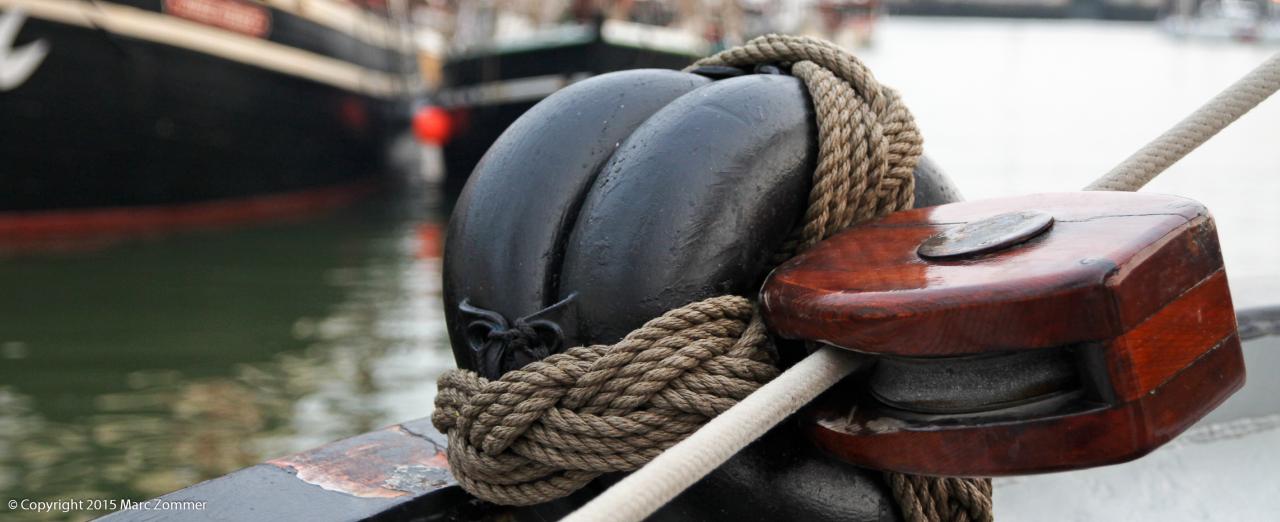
543 431
1194 130
868 142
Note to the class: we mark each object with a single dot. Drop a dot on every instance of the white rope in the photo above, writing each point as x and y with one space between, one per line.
1153 158
674 470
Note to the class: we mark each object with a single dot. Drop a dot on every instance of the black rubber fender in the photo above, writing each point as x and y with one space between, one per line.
695 203
692 205
599 223
507 233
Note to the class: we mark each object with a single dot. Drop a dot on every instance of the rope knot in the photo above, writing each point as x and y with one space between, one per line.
545 430
521 336
499 346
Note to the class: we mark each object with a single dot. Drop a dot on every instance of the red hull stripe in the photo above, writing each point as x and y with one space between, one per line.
124 220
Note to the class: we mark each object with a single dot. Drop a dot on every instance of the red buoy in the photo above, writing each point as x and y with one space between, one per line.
432 125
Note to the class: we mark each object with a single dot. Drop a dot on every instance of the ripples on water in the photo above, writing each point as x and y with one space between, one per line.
139 368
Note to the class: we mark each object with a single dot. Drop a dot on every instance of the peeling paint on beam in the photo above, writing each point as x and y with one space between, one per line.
388 463
397 473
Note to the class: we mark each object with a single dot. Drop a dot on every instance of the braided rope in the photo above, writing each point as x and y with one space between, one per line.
868 143
543 431
937 498
868 147
1193 131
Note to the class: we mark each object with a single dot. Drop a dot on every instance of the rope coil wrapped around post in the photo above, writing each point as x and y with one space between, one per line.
543 431
868 143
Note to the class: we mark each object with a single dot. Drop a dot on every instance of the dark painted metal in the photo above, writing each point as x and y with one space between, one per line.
988 235
966 384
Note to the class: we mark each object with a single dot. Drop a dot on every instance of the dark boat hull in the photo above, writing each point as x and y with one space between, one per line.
110 121
487 92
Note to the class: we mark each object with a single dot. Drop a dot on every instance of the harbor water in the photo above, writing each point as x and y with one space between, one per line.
135 367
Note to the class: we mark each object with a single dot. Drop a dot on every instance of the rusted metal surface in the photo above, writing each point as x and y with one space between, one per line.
389 463
988 235
396 473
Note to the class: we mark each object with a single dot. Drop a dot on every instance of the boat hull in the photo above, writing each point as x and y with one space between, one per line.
487 92
111 122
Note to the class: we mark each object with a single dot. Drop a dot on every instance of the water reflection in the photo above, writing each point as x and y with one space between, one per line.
143 367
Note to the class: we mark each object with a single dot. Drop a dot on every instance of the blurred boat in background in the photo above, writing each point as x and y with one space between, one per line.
131 115
498 59
1240 20
507 60
1139 10
849 23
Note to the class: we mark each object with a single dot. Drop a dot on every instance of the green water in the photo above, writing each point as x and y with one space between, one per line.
134 368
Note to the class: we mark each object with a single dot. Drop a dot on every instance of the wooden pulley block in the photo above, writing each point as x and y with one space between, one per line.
1016 335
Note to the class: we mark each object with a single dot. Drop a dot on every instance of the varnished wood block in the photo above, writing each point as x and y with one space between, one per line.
1111 260
1136 277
